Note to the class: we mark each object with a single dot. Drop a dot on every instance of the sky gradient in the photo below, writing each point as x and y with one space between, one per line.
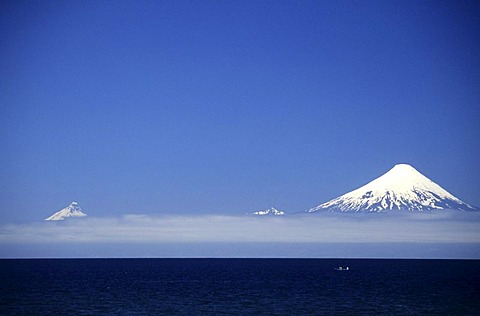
228 107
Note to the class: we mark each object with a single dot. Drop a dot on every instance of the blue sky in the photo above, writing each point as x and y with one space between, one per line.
226 107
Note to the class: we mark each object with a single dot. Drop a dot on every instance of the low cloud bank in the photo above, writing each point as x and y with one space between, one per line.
444 227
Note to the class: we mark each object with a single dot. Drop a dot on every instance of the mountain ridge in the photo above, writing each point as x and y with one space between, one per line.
268 212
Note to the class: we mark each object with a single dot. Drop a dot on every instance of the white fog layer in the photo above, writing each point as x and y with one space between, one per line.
442 227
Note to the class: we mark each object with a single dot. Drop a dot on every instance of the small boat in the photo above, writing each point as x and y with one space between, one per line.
342 268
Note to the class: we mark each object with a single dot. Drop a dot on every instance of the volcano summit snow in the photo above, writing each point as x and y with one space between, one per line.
73 210
401 188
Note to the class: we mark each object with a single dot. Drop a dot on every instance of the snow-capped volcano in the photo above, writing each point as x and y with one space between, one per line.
73 210
401 188
270 211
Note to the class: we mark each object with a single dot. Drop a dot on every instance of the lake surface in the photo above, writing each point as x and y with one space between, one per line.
238 287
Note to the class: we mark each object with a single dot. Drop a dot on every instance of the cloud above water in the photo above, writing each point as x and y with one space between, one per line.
444 227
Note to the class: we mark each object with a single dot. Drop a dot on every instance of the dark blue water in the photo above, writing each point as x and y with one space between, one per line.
239 287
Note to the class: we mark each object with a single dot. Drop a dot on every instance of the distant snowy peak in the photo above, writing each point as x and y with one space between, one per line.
271 211
401 188
73 210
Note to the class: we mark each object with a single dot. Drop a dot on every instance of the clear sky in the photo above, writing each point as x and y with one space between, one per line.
227 107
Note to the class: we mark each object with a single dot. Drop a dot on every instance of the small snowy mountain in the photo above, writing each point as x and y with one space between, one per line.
401 188
271 211
73 210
